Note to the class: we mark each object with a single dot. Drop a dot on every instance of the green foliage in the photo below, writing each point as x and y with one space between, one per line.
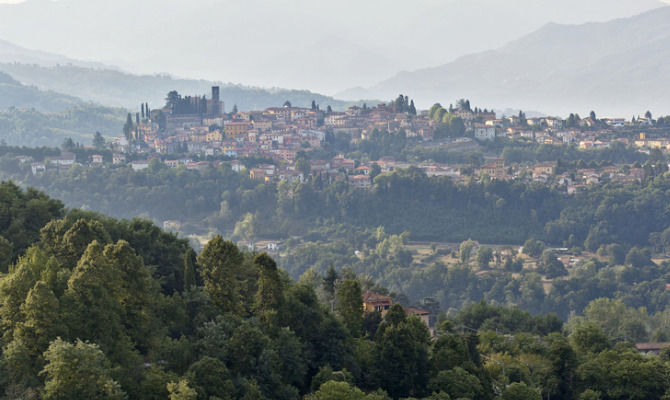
269 295
533 248
220 261
350 305
519 391
181 391
78 371
484 256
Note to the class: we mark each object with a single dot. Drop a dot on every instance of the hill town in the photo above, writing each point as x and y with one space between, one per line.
196 132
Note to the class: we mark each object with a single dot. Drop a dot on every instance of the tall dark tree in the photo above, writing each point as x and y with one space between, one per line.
412 108
189 269
330 280
220 262
269 295
350 305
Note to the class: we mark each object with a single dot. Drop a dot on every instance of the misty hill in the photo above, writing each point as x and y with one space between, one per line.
30 127
14 94
115 88
612 67
11 52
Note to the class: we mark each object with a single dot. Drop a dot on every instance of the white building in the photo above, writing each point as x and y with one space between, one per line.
484 132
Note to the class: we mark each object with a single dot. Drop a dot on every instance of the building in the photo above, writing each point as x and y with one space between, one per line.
234 129
651 348
485 132
360 181
423 315
118 159
37 168
375 302
139 165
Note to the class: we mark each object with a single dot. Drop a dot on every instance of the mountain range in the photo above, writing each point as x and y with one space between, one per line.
615 67
116 88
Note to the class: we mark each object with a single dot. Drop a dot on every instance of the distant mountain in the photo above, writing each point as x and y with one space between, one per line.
617 67
10 52
119 89
14 94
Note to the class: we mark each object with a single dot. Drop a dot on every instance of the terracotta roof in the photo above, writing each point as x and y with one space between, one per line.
415 311
652 346
372 297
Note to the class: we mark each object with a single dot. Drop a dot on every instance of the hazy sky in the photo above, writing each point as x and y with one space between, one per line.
325 46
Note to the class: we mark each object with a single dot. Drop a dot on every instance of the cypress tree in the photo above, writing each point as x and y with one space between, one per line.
189 269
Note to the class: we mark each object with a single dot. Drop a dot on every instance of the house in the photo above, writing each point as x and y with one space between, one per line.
97 159
236 165
360 181
272 246
544 168
37 168
485 132
651 348
423 315
494 169
66 159
139 165
375 302
118 159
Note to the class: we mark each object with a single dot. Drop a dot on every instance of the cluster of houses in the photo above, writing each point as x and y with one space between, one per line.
180 136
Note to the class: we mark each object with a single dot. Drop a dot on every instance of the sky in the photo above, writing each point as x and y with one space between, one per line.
324 46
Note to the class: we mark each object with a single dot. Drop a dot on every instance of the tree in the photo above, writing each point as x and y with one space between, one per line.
128 127
401 354
465 250
98 140
245 229
234 111
647 115
189 269
330 280
551 265
333 390
520 391
533 248
304 166
172 100
350 305
638 257
220 262
589 338
329 109
78 371
375 170
412 108
313 105
269 295
616 253
68 143
181 391
484 256
287 104
42 319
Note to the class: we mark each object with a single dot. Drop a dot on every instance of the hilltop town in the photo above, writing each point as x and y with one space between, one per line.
197 132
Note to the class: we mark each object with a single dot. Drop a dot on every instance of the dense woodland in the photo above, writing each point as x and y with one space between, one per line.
97 308
428 208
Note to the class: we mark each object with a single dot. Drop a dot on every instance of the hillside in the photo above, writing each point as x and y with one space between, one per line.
14 94
613 67
34 128
119 89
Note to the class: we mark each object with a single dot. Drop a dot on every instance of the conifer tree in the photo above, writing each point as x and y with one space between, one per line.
189 269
